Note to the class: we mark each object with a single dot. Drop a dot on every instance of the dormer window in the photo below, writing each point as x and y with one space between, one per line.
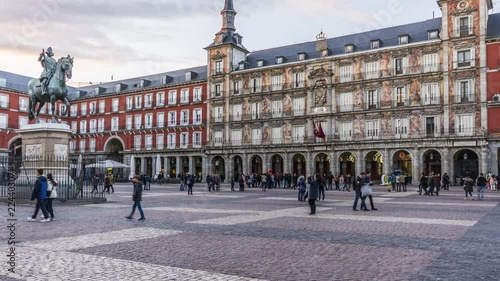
165 79
260 63
433 34
325 53
144 83
188 76
349 48
118 88
403 39
375 44
301 56
279 60
241 66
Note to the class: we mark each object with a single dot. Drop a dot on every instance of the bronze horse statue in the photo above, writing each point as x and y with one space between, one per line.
57 90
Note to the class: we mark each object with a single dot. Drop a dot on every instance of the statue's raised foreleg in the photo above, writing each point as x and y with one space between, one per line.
40 106
53 108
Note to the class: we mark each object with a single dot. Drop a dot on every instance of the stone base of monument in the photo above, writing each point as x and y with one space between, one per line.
45 146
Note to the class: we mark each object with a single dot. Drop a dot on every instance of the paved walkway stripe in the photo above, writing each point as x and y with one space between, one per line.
437 204
202 210
107 206
391 219
99 239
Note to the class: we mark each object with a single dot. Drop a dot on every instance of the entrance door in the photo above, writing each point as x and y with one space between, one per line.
430 127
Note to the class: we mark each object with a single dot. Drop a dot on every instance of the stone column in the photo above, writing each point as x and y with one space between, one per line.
387 162
483 161
191 165
309 163
265 163
204 167
178 165
153 168
287 164
445 168
416 165
359 162
166 164
244 164
143 165
333 163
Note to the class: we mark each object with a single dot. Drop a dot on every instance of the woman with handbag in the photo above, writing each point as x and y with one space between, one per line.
51 195
366 191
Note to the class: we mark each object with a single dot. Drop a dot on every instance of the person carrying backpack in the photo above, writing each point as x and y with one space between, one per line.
40 194
302 189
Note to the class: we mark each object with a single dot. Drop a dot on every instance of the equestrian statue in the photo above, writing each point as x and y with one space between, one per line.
51 86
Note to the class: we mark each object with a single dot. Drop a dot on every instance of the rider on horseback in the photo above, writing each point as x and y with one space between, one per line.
49 64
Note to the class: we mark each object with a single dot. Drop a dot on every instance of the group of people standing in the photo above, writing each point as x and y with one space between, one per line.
431 184
44 191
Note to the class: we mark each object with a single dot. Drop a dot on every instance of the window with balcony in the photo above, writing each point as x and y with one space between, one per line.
148 142
160 139
138 122
256 136
130 103
102 107
4 101
185 96
72 145
430 62
115 105
129 122
83 109
93 108
298 134
82 146
237 110
277 135
115 124
92 145
256 85
184 117
345 131
197 139
279 60
62 109
83 127
346 102
400 97
197 116
218 67
160 120
171 141
431 125
277 108
148 101
256 111
93 126
74 110
23 104
100 125
299 105
172 119
218 114
160 99
218 138
430 94
277 83
464 26
464 125
465 91
400 66
372 70
23 121
464 58
138 102
172 97
372 128
345 73
401 127
372 98
236 137
148 121
298 80
184 140
197 94
236 87
137 142
218 90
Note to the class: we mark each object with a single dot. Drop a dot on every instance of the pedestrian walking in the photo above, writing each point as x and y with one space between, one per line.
40 194
313 194
423 185
137 198
302 189
358 183
469 188
51 195
367 183
321 185
481 186
190 183
95 183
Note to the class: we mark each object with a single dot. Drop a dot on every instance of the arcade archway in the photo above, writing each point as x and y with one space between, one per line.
432 162
113 145
277 164
402 161
347 163
256 164
218 165
299 165
466 163
374 164
322 164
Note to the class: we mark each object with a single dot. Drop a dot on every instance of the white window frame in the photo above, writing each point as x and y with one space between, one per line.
403 101
401 127
160 141
172 118
237 112
74 110
197 116
130 103
218 138
372 102
403 68
171 141
256 111
101 127
23 120
218 114
184 118
92 145
236 88
93 126
23 104
62 107
172 97
299 80
197 139
83 126
115 124
372 70
430 94
148 120
219 67
256 85
460 97
256 136
184 140
138 102
298 134
277 83
138 142
160 99
345 130
236 137
115 104
83 109
346 102
277 135
72 145
138 121
148 100
464 125
4 101
372 129
74 127
277 108
218 90
185 95
197 94
160 119
93 108
129 122
346 74
470 27
430 62
299 106
83 144
148 142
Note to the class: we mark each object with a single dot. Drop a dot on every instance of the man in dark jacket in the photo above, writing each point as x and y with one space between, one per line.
313 194
358 183
481 186
40 194
137 198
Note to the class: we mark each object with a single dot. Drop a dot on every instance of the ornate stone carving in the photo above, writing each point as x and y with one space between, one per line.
321 72
33 151
256 75
400 53
320 91
298 69
373 57
60 151
277 72
218 55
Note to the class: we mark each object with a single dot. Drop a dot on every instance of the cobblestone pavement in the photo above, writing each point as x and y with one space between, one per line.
256 235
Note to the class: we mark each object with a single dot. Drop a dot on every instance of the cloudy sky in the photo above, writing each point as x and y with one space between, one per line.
131 38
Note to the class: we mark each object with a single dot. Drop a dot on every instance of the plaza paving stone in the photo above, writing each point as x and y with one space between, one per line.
256 235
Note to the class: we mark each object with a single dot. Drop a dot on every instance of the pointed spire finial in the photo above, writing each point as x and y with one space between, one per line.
228 6
228 16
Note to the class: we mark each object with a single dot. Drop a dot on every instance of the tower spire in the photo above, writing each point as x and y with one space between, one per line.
228 15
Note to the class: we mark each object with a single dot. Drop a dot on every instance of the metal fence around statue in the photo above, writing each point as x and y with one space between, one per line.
73 179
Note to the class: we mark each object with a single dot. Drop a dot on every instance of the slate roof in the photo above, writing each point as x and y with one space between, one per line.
15 81
133 84
388 36
493 26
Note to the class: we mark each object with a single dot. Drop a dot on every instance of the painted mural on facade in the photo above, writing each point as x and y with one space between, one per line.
415 123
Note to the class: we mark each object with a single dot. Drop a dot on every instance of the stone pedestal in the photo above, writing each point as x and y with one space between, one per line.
44 146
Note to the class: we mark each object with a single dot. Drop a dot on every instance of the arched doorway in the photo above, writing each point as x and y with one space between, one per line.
299 165
432 162
113 149
277 164
466 163
322 164
237 165
402 161
15 148
218 165
374 164
347 163
256 164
